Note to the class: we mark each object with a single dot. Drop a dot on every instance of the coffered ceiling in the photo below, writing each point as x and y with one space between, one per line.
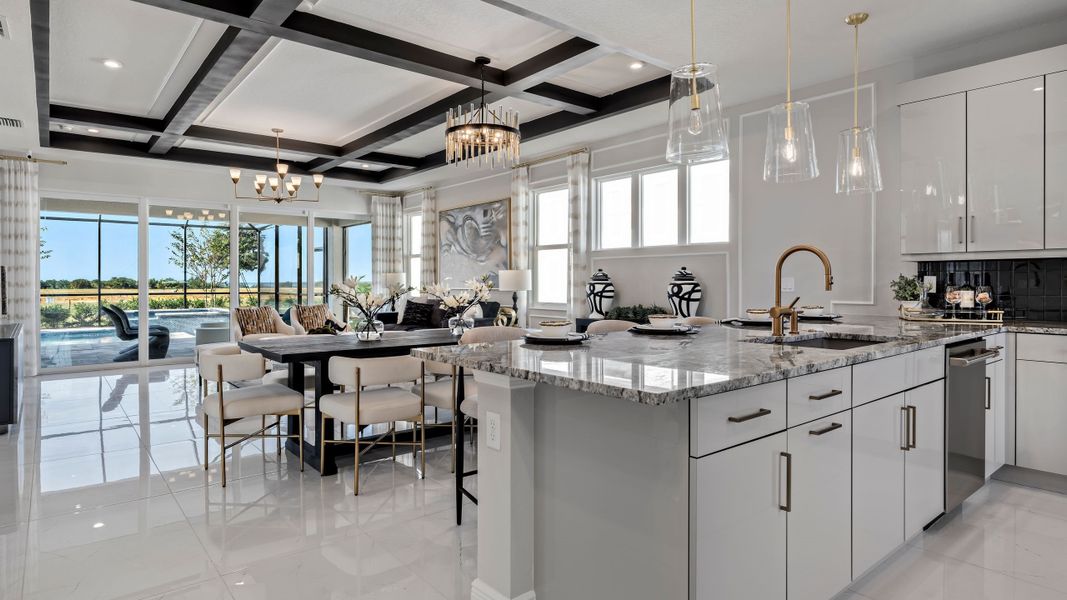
361 86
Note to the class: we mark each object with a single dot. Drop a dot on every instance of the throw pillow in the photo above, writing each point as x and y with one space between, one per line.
313 316
255 320
418 313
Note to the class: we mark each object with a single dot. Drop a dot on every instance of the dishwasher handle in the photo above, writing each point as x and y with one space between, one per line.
981 357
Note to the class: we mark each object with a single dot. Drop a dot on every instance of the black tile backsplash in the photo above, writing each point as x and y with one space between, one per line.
1023 289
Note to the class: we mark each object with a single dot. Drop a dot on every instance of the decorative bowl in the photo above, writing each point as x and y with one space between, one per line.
555 329
663 321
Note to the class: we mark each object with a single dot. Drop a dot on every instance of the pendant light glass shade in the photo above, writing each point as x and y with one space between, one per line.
789 156
857 162
696 131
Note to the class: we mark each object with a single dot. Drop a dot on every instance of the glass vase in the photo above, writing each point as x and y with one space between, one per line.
368 330
458 324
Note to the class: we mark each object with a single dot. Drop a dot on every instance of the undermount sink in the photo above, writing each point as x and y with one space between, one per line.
825 342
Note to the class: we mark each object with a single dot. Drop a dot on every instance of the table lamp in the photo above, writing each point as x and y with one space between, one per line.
515 281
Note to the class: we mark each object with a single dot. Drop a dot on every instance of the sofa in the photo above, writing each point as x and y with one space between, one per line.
431 316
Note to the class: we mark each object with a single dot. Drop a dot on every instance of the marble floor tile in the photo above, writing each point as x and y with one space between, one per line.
95 480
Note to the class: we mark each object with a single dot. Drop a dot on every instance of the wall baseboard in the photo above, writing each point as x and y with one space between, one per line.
481 590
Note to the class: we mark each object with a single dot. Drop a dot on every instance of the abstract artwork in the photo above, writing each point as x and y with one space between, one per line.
473 240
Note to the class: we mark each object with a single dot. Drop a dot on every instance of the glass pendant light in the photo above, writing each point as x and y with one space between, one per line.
790 153
696 132
857 156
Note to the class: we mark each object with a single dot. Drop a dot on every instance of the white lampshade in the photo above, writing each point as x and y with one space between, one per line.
515 280
392 279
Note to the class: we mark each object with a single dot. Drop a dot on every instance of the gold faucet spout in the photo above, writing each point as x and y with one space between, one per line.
779 311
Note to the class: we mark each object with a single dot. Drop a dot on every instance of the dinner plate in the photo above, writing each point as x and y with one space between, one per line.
650 330
572 339
822 317
747 322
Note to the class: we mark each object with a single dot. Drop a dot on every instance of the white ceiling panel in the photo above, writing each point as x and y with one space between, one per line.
292 157
464 28
18 97
321 96
433 139
608 75
159 50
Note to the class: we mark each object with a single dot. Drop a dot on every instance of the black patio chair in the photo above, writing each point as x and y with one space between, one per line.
158 336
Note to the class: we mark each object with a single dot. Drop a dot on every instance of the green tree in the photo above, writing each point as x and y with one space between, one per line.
85 314
82 284
204 254
45 253
54 315
120 283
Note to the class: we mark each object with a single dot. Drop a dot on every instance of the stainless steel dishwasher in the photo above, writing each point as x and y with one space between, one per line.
965 420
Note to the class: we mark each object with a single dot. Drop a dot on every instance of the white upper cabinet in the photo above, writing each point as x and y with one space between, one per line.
933 175
1005 166
1056 160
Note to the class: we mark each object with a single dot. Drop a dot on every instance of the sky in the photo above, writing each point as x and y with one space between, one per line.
73 251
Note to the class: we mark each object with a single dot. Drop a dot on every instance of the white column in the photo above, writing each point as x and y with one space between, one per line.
235 257
505 489
142 280
309 258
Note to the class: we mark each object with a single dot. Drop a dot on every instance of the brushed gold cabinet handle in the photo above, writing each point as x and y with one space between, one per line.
829 394
914 419
788 506
763 412
825 430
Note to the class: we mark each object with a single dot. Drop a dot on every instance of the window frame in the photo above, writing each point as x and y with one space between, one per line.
535 248
413 248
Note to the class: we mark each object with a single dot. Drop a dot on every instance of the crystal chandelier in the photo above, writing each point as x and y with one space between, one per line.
857 156
789 156
283 188
481 135
695 128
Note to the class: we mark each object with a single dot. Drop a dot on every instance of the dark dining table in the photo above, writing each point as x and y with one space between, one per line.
317 350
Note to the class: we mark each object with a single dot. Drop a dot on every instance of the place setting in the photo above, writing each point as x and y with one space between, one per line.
555 333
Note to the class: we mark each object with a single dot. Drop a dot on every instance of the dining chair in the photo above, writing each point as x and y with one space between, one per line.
698 321
226 407
609 325
387 404
468 407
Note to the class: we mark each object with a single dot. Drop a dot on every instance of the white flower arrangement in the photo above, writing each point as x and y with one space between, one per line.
357 294
459 303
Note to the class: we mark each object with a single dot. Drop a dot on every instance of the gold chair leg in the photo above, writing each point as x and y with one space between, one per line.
392 428
422 448
300 440
322 446
207 456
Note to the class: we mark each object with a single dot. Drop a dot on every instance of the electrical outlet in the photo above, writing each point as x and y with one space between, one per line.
788 284
492 430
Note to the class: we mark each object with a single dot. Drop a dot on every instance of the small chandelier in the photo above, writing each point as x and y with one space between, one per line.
789 155
858 171
696 130
283 188
481 134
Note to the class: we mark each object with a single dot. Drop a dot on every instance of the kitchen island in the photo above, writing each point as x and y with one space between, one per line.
713 465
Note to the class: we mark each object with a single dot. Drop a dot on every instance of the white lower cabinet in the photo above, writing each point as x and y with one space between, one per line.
819 521
924 462
738 546
1040 414
878 434
996 414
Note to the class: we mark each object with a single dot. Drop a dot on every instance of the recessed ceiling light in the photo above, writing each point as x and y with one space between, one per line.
91 130
635 65
111 63
97 525
1039 89
365 166
66 128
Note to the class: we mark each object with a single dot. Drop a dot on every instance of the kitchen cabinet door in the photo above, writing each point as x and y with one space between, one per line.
1005 166
820 528
996 415
1056 160
877 481
933 149
738 531
1040 414
924 462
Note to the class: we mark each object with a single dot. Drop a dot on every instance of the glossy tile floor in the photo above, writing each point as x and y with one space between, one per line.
103 495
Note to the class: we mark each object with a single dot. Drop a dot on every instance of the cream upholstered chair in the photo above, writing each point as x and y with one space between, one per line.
380 405
219 348
609 325
279 326
228 406
698 321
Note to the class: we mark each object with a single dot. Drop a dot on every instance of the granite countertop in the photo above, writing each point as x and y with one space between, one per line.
664 369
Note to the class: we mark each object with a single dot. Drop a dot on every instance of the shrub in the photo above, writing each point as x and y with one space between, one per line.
637 313
85 314
54 315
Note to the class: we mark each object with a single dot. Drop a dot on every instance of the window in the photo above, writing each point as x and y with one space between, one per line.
616 213
709 202
358 251
413 254
659 208
551 246
645 208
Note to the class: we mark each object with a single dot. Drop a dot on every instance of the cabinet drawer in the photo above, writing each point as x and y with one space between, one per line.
925 366
725 420
818 395
1047 348
879 378
1000 339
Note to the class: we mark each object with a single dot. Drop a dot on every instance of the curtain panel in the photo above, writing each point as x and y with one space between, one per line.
578 194
387 239
428 272
520 218
20 234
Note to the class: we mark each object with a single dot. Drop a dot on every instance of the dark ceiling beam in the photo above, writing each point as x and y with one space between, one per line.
84 143
87 117
39 32
632 98
231 53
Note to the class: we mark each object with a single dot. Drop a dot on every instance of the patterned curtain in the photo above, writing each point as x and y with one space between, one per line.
520 218
20 234
578 192
428 273
387 238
